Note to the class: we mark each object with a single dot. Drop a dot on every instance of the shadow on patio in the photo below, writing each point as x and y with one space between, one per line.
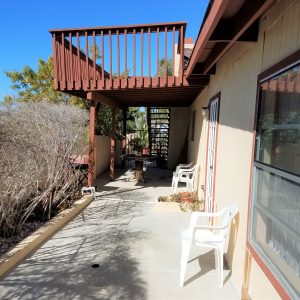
136 246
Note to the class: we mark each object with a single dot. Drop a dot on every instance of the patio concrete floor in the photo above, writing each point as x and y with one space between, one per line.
136 245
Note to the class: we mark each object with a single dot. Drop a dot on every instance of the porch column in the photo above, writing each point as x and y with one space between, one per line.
91 171
124 111
113 145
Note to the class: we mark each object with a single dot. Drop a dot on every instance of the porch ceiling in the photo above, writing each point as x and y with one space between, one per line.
163 97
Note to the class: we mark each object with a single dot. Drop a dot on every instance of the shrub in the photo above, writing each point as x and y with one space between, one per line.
36 143
188 201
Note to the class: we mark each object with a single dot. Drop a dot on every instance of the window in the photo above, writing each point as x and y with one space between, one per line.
275 210
193 125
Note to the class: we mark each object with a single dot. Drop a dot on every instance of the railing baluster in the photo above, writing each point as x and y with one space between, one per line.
173 52
157 52
110 58
75 67
134 52
63 60
61 66
94 57
54 61
142 52
102 54
166 54
149 54
118 54
125 52
58 59
68 50
71 58
78 58
181 51
66 60
87 57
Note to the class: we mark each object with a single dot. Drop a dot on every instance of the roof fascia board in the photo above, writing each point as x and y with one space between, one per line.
247 15
209 26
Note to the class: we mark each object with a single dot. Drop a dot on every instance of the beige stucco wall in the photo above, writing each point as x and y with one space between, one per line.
102 153
197 147
236 79
177 56
259 285
179 121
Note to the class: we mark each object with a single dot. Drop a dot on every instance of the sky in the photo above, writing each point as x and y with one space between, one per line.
24 25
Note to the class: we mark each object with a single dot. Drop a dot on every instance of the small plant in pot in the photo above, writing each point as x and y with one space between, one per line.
137 145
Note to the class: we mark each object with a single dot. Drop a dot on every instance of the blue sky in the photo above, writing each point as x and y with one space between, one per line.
24 24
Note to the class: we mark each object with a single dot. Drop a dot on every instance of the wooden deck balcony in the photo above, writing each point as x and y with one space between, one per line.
135 57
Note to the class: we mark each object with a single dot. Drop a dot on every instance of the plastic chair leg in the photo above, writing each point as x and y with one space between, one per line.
220 255
186 246
217 265
175 186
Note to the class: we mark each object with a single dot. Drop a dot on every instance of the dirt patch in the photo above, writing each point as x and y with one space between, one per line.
7 243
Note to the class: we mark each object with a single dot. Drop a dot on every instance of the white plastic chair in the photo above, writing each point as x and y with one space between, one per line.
180 166
211 236
183 166
185 175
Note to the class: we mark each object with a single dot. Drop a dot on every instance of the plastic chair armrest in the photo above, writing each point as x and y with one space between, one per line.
197 214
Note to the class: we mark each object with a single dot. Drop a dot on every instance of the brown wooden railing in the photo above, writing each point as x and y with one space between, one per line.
134 56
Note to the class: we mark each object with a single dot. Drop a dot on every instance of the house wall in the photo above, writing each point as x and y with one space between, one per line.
177 56
236 79
197 147
102 154
179 122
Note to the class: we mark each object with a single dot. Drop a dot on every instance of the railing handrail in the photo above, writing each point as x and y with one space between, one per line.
153 27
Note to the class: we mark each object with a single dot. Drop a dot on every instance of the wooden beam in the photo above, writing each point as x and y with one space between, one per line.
98 97
251 34
247 15
113 146
91 170
198 72
215 14
224 32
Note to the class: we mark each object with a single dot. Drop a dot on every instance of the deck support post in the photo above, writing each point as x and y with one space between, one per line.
124 113
113 146
91 171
